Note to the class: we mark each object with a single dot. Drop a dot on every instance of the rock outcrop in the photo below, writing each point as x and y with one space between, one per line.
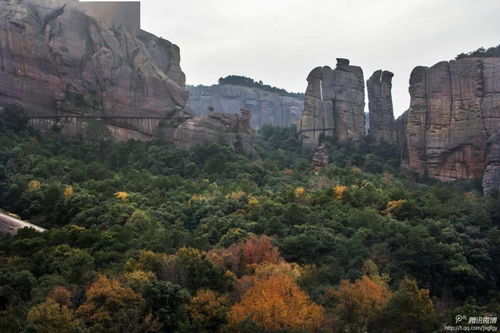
320 158
11 225
65 66
333 105
491 180
223 128
400 124
455 108
382 127
267 107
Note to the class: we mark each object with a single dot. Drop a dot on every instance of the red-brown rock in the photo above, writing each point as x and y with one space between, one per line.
56 59
455 108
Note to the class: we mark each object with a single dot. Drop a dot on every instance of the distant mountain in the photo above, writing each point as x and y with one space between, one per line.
269 105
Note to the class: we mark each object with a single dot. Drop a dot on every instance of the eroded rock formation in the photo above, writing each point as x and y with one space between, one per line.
56 60
223 128
382 126
267 107
455 108
333 105
400 124
320 158
491 180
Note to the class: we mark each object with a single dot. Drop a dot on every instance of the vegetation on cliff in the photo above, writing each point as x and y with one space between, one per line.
145 237
481 53
249 82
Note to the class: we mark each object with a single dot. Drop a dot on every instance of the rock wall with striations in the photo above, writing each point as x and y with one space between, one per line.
65 67
333 105
491 180
223 128
455 108
266 107
400 124
381 117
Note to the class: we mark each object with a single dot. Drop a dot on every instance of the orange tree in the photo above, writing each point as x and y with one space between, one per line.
358 303
111 307
277 303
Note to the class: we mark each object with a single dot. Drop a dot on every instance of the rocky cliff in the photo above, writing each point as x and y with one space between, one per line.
333 105
68 68
400 124
455 108
266 107
223 128
381 116
491 180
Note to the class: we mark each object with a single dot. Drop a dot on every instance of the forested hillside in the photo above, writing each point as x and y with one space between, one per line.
146 237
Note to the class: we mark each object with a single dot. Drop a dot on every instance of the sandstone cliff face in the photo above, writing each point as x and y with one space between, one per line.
333 105
400 125
56 60
491 180
455 108
382 126
266 107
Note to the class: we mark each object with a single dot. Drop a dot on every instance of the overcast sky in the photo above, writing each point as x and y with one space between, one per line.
281 41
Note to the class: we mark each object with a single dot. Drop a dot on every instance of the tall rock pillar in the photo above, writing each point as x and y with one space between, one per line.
382 125
333 105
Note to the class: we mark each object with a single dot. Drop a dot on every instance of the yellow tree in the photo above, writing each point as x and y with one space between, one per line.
208 311
339 192
50 316
277 303
110 305
356 304
121 195
299 192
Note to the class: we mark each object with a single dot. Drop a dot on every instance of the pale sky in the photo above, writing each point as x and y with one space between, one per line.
281 41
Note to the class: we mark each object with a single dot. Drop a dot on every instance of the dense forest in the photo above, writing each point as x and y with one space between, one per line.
249 82
146 237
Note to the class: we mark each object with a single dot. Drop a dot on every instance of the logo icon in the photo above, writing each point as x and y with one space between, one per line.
459 318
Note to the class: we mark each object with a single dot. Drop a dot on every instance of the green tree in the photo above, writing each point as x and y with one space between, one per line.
50 317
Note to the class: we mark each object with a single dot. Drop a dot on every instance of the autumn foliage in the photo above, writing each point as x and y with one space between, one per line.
299 192
110 304
240 258
339 192
121 195
359 302
393 206
208 310
277 303
50 316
